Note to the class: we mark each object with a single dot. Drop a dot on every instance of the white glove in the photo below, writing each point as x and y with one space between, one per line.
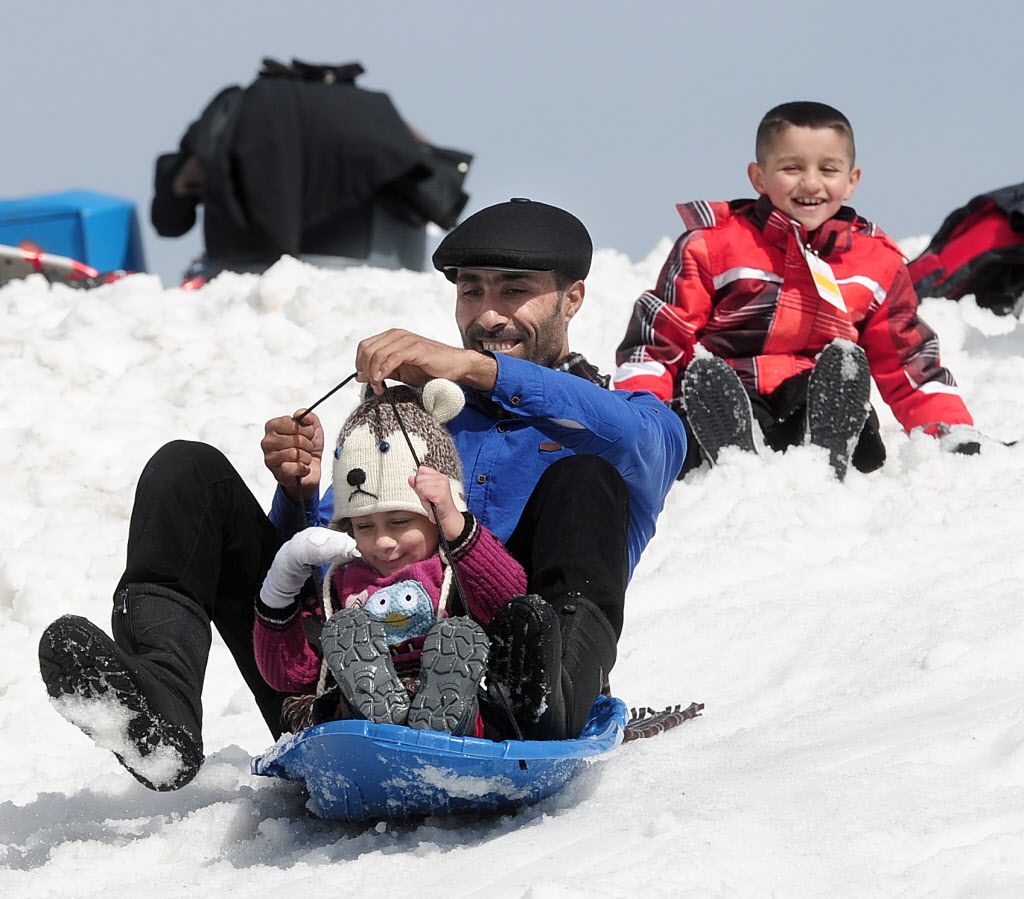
961 439
298 558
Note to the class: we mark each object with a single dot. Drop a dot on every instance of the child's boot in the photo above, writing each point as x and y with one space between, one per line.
717 407
356 649
838 402
452 665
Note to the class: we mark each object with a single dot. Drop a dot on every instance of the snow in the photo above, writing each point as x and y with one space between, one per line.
107 721
857 645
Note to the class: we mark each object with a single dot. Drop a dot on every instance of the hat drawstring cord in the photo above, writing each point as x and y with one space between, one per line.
437 519
297 417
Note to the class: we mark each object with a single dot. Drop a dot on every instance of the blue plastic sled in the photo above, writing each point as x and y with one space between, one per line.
358 771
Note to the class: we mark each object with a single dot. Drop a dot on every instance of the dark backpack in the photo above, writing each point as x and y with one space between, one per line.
979 250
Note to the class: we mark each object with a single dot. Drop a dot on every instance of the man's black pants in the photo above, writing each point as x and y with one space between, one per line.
572 540
572 535
197 529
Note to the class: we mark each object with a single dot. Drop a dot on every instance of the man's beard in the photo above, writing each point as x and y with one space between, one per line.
545 348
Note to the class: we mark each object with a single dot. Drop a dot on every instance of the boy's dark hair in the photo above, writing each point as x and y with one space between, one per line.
802 114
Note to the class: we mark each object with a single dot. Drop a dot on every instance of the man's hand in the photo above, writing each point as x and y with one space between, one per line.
292 451
412 359
433 487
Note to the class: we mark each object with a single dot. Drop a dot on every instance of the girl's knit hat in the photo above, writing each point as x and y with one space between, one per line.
372 462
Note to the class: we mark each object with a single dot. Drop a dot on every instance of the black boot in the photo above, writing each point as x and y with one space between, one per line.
588 654
525 662
138 695
718 407
552 661
838 402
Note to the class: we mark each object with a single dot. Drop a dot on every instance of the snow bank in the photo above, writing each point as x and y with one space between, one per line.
858 646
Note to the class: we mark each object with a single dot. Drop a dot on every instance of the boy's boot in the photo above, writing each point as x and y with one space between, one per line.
356 649
717 407
139 694
452 665
838 402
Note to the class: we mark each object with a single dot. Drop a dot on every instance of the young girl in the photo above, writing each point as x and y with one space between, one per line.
392 650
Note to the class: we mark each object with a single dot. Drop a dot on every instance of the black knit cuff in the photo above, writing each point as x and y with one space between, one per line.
461 544
277 619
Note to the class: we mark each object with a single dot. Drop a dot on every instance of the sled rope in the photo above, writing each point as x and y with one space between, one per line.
646 722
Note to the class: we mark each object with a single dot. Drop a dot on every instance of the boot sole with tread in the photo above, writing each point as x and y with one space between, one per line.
92 688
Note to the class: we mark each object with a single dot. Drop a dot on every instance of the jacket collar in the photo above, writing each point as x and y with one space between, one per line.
834 236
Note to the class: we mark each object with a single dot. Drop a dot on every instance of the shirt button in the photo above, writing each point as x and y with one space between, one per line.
481 479
502 428
515 400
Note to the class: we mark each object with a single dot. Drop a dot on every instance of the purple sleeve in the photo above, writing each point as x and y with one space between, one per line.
489 575
283 655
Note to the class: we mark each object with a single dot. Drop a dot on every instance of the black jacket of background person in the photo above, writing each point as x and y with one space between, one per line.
297 148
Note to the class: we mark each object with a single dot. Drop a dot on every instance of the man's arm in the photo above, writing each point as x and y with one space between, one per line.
413 359
636 432
292 451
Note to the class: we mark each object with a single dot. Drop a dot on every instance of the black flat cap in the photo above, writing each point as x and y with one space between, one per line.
519 235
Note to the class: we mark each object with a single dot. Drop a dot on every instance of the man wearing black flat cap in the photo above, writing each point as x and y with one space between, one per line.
570 475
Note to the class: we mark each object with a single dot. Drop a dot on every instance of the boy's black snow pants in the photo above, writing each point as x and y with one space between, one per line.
197 531
572 541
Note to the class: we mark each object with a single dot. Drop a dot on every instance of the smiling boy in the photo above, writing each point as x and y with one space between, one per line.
796 302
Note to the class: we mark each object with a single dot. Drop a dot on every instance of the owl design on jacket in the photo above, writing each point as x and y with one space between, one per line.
404 608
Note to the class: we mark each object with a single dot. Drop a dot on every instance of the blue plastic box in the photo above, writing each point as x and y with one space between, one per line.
97 229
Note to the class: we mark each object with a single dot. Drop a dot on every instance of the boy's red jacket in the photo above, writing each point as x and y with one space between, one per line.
738 283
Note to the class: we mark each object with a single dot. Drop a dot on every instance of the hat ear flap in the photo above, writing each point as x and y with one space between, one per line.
443 400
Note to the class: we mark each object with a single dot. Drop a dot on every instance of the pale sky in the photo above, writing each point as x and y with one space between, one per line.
615 111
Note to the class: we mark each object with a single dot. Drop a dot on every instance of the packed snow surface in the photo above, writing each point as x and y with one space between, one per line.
859 646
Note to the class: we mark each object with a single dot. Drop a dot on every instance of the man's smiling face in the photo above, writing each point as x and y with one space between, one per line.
518 313
808 173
